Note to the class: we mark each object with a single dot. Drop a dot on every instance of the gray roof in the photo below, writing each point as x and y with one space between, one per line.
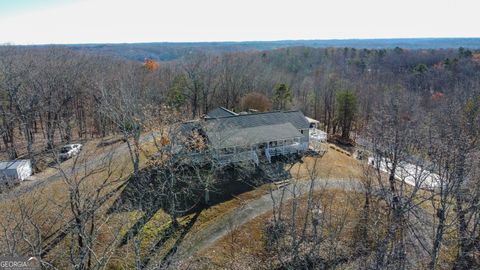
296 118
13 164
248 136
248 129
220 112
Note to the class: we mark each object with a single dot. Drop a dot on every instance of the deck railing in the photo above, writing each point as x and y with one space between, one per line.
285 150
251 154
237 157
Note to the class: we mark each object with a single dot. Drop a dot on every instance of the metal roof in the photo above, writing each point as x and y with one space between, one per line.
13 164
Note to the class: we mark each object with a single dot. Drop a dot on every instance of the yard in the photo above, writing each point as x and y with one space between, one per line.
157 240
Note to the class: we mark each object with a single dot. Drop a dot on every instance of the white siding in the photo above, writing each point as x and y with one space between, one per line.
15 170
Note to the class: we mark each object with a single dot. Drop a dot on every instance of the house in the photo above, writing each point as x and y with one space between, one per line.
15 170
233 137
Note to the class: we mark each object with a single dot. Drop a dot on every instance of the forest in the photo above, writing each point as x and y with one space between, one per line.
64 94
416 105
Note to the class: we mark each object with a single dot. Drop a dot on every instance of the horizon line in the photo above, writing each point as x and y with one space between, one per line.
238 41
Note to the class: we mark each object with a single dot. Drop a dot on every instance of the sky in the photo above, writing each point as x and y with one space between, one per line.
130 21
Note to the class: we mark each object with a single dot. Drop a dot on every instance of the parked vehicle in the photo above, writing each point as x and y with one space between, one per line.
69 151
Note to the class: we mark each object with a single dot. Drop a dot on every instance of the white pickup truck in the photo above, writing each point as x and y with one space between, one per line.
69 151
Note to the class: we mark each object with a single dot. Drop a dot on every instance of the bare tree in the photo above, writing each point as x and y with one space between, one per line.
89 188
396 131
122 102
306 229
25 227
460 134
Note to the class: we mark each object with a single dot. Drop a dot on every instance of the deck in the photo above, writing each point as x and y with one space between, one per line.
294 148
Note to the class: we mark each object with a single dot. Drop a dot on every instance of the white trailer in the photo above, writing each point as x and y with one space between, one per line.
15 170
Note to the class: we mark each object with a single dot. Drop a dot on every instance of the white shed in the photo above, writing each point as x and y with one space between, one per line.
313 123
316 135
15 169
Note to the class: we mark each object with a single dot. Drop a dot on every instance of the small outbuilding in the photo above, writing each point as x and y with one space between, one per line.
15 170
316 135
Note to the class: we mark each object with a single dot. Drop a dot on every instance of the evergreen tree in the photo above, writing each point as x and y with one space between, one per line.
347 110
282 97
176 94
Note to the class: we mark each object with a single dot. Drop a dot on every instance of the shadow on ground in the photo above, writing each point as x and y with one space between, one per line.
150 192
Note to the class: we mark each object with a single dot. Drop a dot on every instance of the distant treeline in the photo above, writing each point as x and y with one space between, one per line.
167 51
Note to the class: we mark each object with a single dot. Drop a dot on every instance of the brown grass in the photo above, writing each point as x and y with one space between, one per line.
50 202
55 197
247 241
334 164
